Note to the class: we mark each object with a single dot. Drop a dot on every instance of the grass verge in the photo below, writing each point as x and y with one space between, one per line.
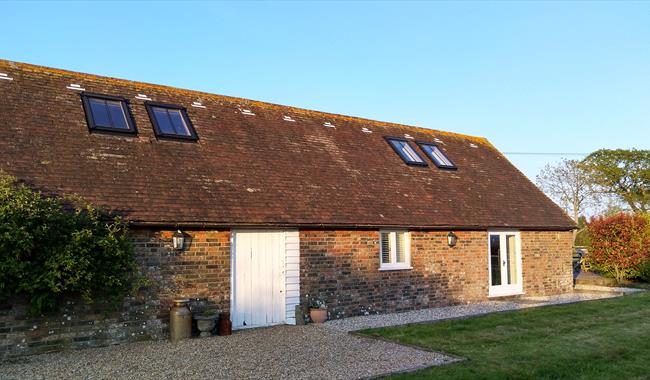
605 339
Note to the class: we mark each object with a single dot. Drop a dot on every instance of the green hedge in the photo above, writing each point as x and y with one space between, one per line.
51 251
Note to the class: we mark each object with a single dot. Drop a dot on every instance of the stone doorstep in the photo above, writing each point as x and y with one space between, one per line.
582 288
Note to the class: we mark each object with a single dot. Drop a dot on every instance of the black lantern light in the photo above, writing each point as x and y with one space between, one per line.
452 239
178 240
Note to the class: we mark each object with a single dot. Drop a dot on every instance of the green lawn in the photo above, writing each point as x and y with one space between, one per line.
607 339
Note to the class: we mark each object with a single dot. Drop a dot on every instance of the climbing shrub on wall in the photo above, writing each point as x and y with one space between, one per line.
619 245
51 250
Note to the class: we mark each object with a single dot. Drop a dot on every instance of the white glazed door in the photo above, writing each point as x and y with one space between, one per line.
258 278
504 263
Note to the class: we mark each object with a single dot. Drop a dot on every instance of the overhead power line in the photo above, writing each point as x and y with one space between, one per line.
546 153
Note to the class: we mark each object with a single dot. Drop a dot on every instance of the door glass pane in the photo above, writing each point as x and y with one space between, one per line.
512 259
495 260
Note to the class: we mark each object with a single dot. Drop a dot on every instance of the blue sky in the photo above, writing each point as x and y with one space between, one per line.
530 76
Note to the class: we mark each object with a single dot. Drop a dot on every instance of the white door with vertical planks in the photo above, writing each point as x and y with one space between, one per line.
258 270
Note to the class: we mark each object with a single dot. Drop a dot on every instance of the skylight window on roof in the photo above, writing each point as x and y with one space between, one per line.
406 152
437 156
107 113
329 125
170 121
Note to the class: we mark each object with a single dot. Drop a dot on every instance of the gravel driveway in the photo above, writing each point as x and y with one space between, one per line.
462 311
298 352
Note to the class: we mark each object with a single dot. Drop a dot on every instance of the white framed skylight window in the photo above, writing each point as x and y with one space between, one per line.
406 151
394 250
107 113
437 155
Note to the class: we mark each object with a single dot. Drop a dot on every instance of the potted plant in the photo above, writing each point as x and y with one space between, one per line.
205 321
317 311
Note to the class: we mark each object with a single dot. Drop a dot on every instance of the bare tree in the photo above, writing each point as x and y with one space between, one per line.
567 184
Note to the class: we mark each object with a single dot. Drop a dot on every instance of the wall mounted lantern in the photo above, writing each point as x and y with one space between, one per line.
178 240
452 239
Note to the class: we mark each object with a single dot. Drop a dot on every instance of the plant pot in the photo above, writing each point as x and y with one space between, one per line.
205 324
318 315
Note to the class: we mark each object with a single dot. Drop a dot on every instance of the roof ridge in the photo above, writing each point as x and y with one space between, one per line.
234 99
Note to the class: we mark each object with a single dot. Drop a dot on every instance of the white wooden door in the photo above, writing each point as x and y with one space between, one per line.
504 263
258 278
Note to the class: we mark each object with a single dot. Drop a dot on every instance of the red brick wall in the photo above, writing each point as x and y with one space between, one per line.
342 269
201 271
339 267
547 262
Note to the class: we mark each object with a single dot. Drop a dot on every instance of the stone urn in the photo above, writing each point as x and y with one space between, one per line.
318 315
206 322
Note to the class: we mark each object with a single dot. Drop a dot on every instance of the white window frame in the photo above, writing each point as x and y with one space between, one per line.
392 237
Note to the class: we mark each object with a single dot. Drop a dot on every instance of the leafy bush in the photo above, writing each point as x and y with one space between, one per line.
50 250
619 245
644 271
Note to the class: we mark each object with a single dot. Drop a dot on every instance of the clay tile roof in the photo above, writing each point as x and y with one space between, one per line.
253 170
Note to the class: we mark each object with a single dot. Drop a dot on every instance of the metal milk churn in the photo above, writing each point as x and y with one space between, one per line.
180 320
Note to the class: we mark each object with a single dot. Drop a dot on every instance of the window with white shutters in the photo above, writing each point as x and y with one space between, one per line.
394 250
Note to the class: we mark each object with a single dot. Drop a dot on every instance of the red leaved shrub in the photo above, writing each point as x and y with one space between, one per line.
620 245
